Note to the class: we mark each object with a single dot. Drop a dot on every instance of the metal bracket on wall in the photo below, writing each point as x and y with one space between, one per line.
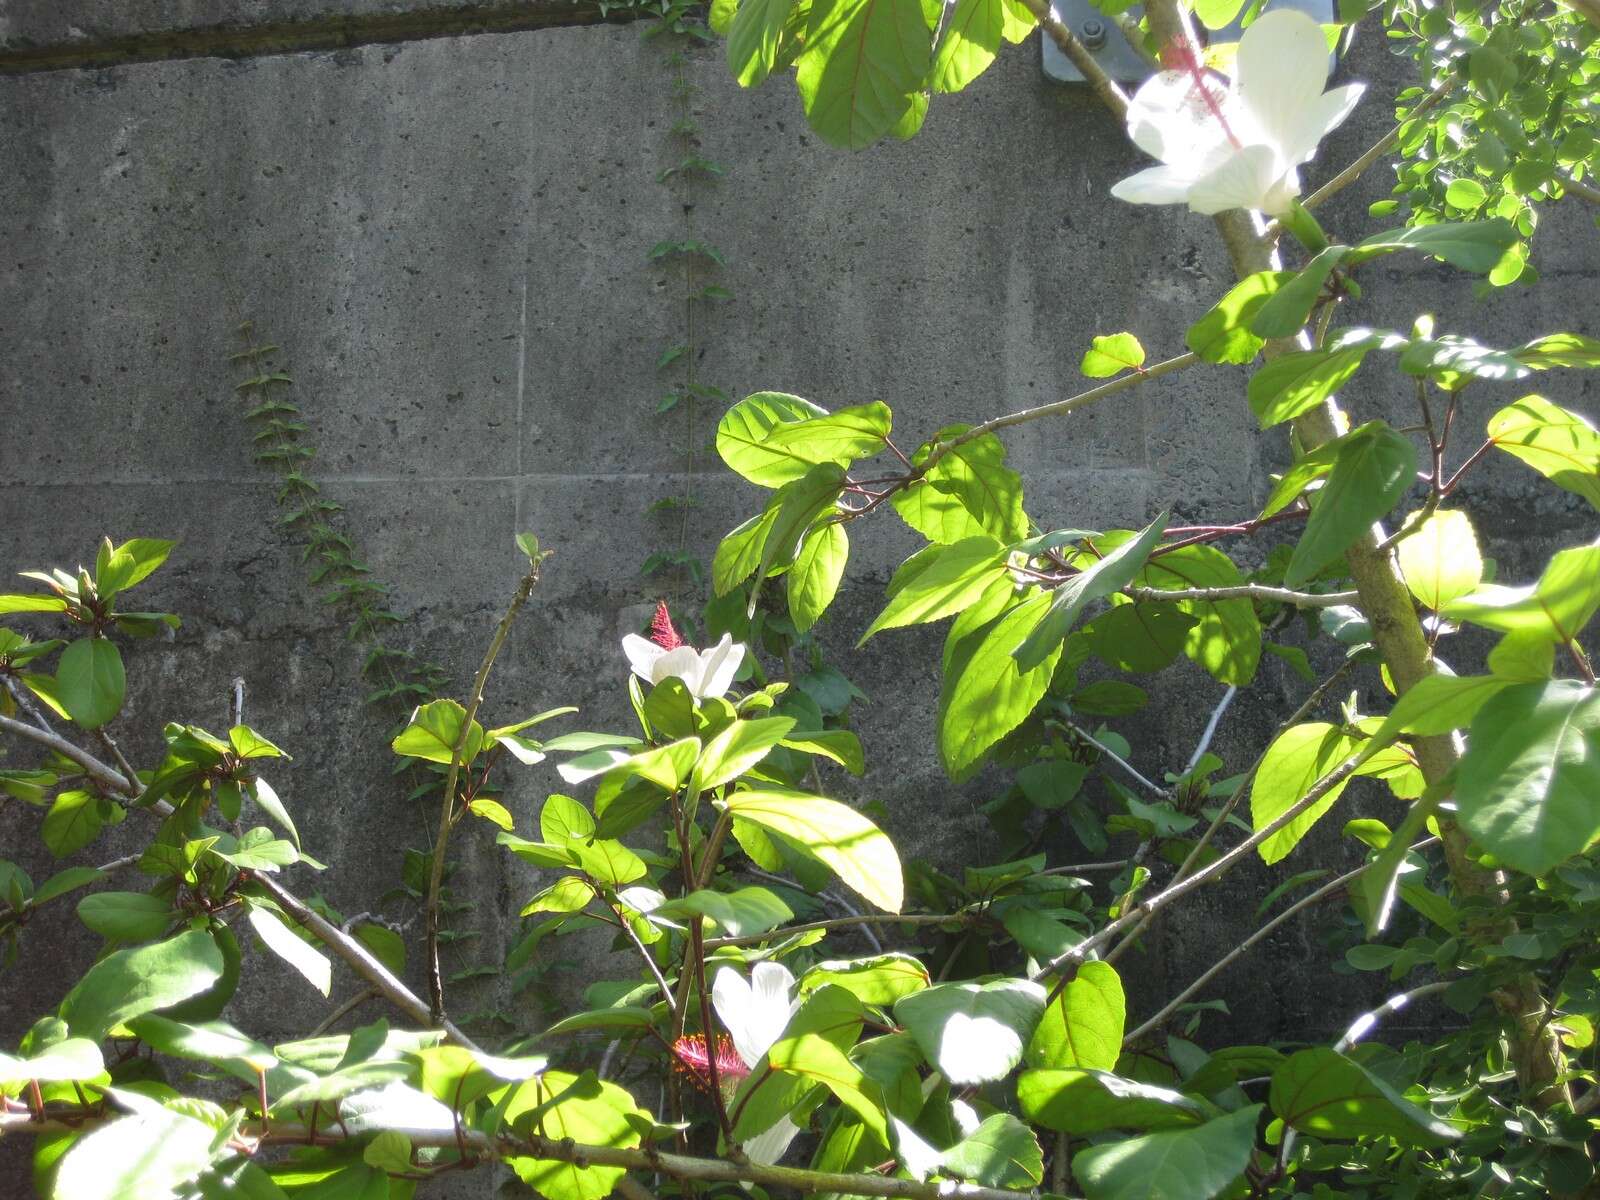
1117 58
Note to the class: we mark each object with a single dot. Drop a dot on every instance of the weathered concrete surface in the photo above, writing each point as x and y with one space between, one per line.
449 240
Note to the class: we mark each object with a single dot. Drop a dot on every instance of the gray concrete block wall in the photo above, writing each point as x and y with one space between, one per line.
448 237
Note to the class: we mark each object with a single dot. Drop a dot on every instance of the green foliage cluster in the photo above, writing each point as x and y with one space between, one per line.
966 1035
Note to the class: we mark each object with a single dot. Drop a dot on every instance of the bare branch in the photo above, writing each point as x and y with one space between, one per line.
1247 591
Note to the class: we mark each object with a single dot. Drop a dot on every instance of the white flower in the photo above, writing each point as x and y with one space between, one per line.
755 1014
706 673
1237 145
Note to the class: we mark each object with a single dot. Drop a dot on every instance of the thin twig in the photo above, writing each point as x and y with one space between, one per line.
1111 95
447 805
1246 591
1133 772
25 702
96 770
1210 730
344 1010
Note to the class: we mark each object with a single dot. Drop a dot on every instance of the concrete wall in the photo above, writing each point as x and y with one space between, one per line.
449 237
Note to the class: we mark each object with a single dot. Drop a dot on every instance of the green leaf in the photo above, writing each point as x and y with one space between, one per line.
1321 1092
1297 758
1288 309
1223 335
126 916
749 437
1368 478
985 693
747 911
814 579
798 505
287 945
1557 607
811 1052
64 881
144 556
1078 1101
1140 637
970 41
1560 350
738 747
1528 783
1217 14
1296 383
433 731
1226 636
90 681
147 1156
267 800
948 579
753 38
609 863
61 1062
1112 571
1001 1152
973 1032
1082 1027
563 820
1440 558
133 982
836 745
863 64
74 820
585 1110
967 492
1183 1164
31 604
879 980
1557 443
1474 246
1466 194
739 553
838 438
1112 354
852 846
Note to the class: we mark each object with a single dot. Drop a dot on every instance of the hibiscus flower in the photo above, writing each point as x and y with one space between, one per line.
1237 144
664 655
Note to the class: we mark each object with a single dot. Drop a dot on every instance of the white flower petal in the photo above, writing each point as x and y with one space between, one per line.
754 1013
768 1147
682 663
1281 69
642 655
1155 185
1169 119
1246 179
1325 114
718 666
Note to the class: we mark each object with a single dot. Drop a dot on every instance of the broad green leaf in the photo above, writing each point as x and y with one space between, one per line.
1078 1101
133 982
74 820
1368 478
126 916
1474 246
207 1041
561 1106
1139 637
1321 1092
969 43
1297 758
144 556
263 794
969 491
1289 308
1519 657
814 579
880 980
838 437
753 38
90 682
739 553
739 913
855 849
1082 1027
1217 14
569 894
1557 443
798 505
433 731
1112 571
744 428
948 580
1306 470
1112 354
864 62
1531 775
1434 705
1001 1152
609 863
812 1054
738 747
1556 608
985 694
1453 362
1223 335
1440 559
973 1032
1226 639
1295 383
31 604
830 1018
1182 1164
1560 350
147 1156
836 745
540 854
68 880
287 945
64 1061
